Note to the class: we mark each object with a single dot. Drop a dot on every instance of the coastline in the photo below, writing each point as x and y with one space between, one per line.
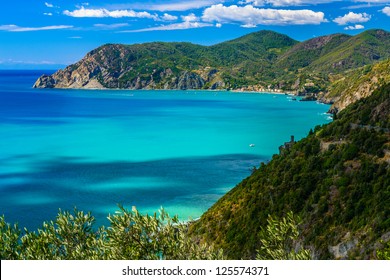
241 90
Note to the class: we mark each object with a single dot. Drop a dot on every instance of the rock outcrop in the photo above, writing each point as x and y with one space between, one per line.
357 84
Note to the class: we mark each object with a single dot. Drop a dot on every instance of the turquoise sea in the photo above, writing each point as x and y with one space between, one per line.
94 149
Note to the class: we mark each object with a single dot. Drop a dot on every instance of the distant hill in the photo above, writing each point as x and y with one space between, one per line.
308 52
260 61
337 180
362 49
172 65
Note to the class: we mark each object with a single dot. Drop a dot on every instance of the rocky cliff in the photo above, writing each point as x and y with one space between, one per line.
356 84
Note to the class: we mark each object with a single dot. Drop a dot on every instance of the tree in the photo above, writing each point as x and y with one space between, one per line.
135 236
278 240
69 237
129 236
9 240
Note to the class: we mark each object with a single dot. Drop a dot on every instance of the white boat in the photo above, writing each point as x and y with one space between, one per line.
251 145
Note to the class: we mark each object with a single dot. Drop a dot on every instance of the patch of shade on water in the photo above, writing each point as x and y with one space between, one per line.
95 149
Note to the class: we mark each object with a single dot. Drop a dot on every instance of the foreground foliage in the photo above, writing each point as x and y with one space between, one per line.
279 240
384 254
129 236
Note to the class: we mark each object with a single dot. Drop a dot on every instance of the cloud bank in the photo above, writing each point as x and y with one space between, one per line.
251 16
351 17
102 13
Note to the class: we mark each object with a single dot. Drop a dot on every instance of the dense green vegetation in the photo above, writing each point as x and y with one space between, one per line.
278 240
337 179
239 62
384 254
129 236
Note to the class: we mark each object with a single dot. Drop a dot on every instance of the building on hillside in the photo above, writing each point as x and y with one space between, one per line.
287 145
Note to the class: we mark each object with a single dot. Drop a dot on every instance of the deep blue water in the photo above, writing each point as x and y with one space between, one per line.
94 149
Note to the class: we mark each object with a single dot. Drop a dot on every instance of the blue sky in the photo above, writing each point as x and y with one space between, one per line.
52 33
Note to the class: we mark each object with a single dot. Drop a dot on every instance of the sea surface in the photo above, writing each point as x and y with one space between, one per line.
95 149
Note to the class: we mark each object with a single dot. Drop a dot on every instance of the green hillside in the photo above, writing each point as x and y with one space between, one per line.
307 52
365 48
337 180
262 46
312 66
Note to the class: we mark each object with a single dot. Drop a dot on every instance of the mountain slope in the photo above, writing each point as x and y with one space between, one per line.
365 48
337 179
311 66
262 46
307 52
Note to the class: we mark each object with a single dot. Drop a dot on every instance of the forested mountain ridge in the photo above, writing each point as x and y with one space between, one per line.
259 61
337 180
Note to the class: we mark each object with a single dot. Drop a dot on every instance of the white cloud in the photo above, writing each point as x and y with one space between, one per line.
285 3
249 25
218 25
101 13
174 26
251 16
386 11
49 5
48 14
351 17
191 17
110 26
354 27
367 4
174 6
15 28
253 2
75 37
168 17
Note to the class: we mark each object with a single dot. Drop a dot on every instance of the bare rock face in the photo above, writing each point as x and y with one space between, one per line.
45 81
318 42
340 251
189 80
81 75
